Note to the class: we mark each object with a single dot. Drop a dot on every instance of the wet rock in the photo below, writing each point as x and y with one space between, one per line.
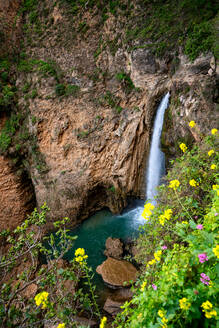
112 307
117 272
114 248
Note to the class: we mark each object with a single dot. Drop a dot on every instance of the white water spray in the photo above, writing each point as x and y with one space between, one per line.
156 163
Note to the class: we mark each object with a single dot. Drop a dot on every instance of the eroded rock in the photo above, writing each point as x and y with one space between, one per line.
117 272
114 248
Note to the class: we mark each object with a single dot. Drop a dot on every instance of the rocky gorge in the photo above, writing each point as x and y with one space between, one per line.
87 112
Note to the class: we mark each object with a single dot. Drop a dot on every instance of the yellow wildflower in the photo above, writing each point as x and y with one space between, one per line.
193 183
183 147
216 251
61 325
192 124
144 284
162 219
157 255
213 166
210 314
207 305
103 322
184 222
164 320
147 210
211 152
42 298
174 184
213 131
161 313
152 262
80 255
168 213
184 304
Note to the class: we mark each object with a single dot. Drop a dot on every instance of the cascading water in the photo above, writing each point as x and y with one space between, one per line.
93 232
156 163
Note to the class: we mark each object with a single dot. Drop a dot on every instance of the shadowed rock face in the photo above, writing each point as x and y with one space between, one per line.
117 272
16 197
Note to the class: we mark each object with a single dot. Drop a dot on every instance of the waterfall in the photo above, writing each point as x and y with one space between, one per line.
156 163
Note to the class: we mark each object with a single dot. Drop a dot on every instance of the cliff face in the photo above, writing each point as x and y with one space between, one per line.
88 108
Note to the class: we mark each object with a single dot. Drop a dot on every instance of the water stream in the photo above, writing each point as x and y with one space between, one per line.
93 232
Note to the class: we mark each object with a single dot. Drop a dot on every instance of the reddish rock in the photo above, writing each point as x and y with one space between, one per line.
117 272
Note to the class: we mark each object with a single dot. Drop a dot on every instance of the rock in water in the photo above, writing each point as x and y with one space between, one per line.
114 248
117 272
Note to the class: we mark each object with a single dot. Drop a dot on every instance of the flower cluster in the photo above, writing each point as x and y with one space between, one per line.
61 325
166 216
184 303
216 187
147 210
192 124
211 152
80 255
164 320
213 166
199 226
183 147
202 257
174 184
103 322
207 308
42 299
216 251
143 285
157 257
204 279
214 131
193 183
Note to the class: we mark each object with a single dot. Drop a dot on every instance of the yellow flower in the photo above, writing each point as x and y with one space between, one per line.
147 210
213 167
174 184
184 222
162 219
42 298
210 284
161 313
164 320
210 314
183 147
215 187
168 213
80 255
207 305
211 152
193 183
213 131
192 124
216 251
61 325
157 255
152 262
143 286
103 322
184 304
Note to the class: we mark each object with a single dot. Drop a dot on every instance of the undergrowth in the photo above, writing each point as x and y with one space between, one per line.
178 247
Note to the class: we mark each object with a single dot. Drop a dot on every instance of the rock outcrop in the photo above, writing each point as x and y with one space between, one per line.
114 248
117 273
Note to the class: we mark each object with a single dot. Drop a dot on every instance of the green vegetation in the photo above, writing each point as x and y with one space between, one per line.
125 81
58 297
8 131
178 251
7 89
66 90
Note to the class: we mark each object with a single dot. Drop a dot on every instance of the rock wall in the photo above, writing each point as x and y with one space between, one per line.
93 144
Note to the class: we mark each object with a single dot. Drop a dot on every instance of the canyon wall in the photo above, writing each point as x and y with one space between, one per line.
88 113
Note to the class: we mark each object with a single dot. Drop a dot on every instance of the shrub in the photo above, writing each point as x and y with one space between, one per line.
178 250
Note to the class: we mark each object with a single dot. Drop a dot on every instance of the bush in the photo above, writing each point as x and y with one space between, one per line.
57 297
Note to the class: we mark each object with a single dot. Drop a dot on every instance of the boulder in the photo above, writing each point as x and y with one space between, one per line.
114 248
117 272
112 307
